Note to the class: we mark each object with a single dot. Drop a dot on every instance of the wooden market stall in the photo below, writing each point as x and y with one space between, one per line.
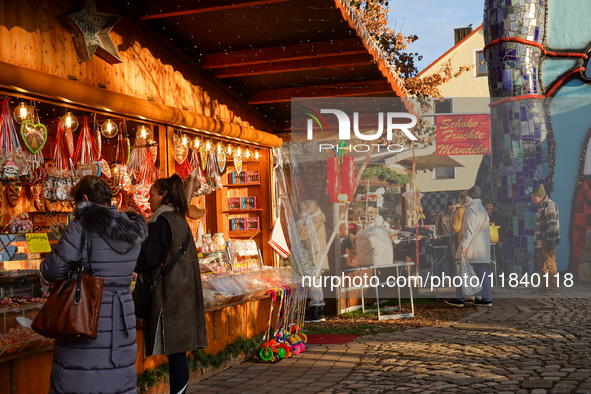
174 69
149 86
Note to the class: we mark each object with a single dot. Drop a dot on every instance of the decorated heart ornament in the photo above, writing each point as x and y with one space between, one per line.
221 160
105 168
140 197
119 200
48 188
34 135
87 169
13 194
60 189
37 190
238 164
181 151
203 158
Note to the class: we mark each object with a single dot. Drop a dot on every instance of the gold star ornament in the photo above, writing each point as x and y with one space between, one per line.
90 33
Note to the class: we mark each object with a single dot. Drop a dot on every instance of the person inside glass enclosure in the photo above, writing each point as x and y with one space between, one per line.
312 233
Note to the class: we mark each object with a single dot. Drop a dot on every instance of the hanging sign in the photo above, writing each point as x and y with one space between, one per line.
463 135
38 243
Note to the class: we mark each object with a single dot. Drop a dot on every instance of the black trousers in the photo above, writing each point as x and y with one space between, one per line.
178 371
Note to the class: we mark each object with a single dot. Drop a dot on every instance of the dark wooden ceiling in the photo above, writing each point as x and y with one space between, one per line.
267 51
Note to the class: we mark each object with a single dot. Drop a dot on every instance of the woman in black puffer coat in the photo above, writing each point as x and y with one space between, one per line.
105 365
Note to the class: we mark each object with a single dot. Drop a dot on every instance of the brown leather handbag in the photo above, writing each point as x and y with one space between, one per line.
72 309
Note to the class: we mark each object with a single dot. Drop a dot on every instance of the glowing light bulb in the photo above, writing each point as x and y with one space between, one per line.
208 145
185 140
22 112
230 150
69 122
196 143
109 129
144 133
219 147
257 154
248 153
238 151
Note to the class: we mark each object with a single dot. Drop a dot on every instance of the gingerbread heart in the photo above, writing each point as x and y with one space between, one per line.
140 198
86 169
37 190
34 135
181 151
238 164
203 158
222 160
105 169
13 194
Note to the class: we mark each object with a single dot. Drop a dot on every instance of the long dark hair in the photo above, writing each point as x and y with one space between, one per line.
175 193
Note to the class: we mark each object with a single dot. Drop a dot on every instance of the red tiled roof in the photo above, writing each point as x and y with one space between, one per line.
450 50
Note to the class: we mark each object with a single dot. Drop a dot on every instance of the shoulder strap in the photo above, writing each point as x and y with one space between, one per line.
481 226
182 250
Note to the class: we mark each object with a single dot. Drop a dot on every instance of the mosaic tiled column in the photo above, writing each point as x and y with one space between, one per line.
521 149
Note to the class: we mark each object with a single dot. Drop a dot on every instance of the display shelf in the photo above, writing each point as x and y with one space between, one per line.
243 184
241 210
243 233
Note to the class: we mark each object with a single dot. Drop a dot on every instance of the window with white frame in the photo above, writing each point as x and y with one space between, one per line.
481 70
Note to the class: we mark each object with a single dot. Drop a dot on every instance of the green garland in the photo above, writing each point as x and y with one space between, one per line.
386 175
199 359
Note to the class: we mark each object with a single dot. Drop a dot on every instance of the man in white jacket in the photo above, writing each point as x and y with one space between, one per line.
475 229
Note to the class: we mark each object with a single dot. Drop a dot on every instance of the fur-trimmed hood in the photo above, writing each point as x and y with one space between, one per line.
122 230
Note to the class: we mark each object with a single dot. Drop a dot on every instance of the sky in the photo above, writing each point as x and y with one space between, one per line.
434 22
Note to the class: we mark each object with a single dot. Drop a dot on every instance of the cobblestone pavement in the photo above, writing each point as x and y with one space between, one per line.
517 346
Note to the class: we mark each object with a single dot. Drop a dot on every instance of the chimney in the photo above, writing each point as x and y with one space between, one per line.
460 33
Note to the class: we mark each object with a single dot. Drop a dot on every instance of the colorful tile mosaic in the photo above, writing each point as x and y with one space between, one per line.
521 142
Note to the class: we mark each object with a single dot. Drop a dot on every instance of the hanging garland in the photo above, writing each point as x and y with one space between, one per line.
386 175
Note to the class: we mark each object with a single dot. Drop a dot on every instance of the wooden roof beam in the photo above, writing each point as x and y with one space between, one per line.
349 89
309 50
294 65
157 10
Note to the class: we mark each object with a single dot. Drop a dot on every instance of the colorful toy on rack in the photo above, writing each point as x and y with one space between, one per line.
268 352
287 339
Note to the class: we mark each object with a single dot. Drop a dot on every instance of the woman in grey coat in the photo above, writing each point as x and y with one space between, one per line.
105 365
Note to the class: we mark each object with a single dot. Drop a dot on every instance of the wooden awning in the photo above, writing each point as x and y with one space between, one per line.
38 84
270 51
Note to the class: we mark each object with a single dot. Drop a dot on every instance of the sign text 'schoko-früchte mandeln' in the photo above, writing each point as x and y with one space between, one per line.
463 135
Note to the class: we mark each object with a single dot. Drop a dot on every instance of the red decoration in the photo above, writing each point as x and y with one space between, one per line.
333 178
348 177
